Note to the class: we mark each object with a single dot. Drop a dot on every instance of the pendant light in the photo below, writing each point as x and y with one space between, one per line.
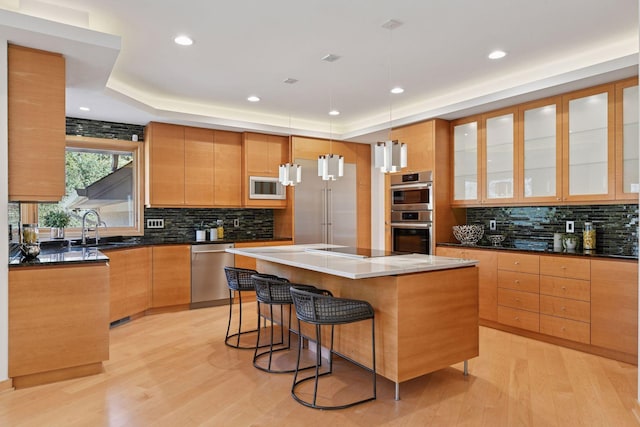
390 156
290 174
330 166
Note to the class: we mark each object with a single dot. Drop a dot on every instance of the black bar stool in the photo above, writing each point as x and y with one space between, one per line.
275 292
322 310
239 280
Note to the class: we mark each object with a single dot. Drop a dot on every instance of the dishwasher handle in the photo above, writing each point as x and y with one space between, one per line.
208 252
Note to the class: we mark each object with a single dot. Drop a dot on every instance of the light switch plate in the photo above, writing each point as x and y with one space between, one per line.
492 224
569 227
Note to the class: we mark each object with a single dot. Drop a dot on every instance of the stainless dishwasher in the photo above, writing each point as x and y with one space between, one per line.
208 282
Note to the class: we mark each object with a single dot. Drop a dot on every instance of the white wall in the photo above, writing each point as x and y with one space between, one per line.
377 206
4 221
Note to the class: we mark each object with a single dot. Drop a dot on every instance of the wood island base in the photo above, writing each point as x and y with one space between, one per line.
424 321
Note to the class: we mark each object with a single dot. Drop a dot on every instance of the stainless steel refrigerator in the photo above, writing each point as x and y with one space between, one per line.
325 211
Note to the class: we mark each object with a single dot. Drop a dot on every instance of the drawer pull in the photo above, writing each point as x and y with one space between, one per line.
563 308
563 267
517 262
563 329
517 282
564 288
517 318
517 299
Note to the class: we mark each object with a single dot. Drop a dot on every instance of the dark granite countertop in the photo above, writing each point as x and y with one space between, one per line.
541 248
65 251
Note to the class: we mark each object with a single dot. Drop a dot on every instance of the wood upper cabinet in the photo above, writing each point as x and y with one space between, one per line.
36 125
539 148
129 281
171 275
627 176
499 162
420 147
263 155
588 144
192 167
198 167
466 166
614 305
165 164
578 147
227 168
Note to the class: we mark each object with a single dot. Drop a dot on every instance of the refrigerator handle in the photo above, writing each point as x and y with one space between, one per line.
329 216
324 215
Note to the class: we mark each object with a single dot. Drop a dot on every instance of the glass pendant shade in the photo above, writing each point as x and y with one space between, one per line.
290 174
330 166
390 156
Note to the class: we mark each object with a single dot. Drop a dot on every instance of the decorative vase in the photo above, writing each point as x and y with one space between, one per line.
57 232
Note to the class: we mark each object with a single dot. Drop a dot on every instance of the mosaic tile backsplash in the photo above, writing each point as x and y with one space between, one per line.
181 223
100 129
616 225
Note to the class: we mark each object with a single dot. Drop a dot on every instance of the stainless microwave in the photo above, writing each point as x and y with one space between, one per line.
266 188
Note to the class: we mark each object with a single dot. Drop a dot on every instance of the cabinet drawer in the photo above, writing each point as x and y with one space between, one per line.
565 266
519 318
566 308
519 281
519 262
517 299
565 288
565 328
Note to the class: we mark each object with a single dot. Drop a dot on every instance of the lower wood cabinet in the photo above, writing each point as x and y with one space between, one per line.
58 322
487 278
614 305
590 304
130 281
171 275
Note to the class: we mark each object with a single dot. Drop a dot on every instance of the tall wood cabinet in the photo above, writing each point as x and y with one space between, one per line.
262 156
428 150
36 125
627 137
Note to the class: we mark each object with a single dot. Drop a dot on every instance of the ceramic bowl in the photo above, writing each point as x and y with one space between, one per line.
496 239
468 234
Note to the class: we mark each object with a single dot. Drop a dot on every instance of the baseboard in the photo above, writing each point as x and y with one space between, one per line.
6 385
57 375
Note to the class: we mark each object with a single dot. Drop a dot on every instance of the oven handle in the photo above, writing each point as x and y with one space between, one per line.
416 185
411 225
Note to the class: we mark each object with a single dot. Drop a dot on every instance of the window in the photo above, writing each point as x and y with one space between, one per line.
102 175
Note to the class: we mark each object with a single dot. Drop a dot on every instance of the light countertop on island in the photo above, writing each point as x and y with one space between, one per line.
308 257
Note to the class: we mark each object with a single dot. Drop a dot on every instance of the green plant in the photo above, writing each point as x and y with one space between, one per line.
57 218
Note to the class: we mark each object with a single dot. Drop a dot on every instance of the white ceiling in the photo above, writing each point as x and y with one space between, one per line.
244 47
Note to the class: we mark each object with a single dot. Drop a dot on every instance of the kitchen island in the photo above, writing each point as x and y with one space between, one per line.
426 307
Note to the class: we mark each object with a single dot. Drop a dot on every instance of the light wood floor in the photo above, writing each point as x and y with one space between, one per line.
174 370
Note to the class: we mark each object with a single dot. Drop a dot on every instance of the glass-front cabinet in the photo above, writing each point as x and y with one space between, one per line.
541 151
588 145
498 156
466 183
627 179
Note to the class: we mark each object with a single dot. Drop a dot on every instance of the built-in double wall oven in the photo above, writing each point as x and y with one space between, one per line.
412 212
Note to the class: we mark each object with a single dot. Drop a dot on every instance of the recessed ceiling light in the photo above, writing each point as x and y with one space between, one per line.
397 90
183 40
253 98
334 113
290 81
85 108
330 57
497 54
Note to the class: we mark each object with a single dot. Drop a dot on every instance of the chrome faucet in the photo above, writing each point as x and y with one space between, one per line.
84 228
